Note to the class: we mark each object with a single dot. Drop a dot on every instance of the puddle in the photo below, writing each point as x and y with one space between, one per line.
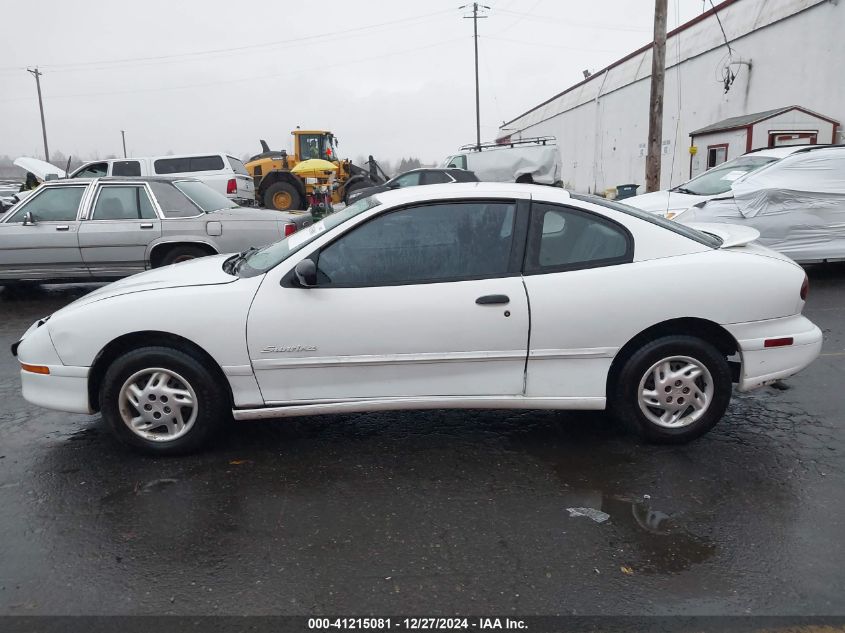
652 541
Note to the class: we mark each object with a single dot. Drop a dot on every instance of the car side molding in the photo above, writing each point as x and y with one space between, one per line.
359 405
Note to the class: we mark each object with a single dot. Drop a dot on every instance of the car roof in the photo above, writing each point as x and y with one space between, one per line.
108 179
472 190
124 159
783 151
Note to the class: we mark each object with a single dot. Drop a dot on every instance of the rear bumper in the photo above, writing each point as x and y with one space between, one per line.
762 365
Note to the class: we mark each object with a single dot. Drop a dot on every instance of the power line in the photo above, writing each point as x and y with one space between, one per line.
719 20
519 18
568 22
547 45
264 76
107 63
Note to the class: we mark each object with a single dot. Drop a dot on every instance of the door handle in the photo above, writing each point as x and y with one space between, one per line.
147 225
63 227
492 300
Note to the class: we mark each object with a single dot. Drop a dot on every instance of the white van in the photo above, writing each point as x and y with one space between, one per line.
531 160
221 172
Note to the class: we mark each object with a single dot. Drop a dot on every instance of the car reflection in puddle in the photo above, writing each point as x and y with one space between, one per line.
646 540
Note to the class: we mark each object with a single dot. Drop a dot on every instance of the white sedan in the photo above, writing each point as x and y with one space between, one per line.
476 295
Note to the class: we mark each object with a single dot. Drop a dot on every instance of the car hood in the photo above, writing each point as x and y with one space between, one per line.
39 167
204 271
663 201
366 192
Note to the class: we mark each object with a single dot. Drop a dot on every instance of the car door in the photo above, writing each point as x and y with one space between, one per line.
571 258
119 227
424 301
47 247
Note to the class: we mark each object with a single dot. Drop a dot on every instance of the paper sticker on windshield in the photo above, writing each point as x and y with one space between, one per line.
305 235
732 175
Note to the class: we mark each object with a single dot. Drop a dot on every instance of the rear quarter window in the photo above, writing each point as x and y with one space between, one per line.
702 238
173 203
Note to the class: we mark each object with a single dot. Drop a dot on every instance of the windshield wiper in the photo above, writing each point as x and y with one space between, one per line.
233 264
685 190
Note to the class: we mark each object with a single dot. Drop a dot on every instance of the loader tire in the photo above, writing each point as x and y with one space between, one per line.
282 196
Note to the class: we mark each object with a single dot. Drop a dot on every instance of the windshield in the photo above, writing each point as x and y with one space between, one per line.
266 258
719 179
204 196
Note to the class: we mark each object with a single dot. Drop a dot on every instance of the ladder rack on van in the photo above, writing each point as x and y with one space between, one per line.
507 142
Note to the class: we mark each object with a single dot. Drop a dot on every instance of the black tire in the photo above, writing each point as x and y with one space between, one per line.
624 392
282 188
182 254
211 403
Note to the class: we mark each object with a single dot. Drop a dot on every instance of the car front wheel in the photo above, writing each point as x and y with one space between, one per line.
672 390
162 401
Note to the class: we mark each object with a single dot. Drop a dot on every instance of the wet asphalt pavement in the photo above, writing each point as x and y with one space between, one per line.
432 513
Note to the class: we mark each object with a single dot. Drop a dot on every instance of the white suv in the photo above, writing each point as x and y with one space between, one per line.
221 172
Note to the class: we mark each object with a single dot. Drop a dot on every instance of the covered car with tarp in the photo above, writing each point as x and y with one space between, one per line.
797 204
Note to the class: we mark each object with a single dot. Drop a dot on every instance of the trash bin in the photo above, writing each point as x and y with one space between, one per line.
626 191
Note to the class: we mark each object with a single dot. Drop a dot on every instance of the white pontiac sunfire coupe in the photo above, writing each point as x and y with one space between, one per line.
476 295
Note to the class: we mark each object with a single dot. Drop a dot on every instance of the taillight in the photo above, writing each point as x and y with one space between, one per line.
805 287
232 186
290 229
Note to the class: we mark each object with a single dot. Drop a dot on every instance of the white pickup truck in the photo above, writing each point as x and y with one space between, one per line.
220 171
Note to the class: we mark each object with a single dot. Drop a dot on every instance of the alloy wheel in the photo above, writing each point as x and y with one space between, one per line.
675 392
158 404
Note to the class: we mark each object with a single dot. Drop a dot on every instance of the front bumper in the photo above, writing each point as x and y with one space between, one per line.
762 365
65 388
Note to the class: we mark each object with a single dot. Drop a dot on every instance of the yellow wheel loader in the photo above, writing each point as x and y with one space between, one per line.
277 188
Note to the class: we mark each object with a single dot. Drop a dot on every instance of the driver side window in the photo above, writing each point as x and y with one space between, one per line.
52 204
437 242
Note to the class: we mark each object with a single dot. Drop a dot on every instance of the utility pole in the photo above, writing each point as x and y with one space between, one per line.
475 18
655 112
123 136
37 74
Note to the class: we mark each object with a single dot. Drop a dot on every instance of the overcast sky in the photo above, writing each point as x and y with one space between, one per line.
390 77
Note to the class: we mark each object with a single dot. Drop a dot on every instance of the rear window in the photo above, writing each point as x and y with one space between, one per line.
188 164
204 196
238 166
702 238
173 203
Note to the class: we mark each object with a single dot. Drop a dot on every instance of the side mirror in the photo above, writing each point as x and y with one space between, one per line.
28 220
306 273
392 185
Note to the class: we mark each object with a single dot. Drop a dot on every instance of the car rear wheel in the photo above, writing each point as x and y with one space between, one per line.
162 400
672 390
185 253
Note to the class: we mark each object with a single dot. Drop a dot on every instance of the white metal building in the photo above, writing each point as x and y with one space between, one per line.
782 52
